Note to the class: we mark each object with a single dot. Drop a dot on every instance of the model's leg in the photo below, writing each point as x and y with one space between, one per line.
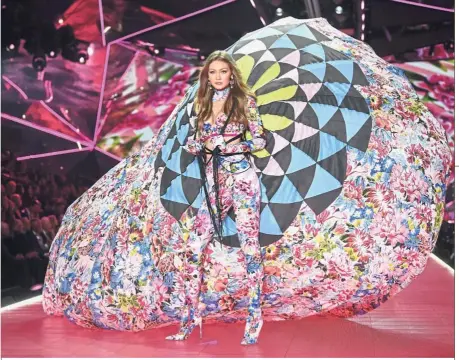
199 238
246 202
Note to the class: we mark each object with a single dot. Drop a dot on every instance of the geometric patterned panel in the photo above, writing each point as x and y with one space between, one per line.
308 101
311 110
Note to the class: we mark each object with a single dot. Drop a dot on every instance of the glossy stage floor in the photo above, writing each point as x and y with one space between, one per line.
418 322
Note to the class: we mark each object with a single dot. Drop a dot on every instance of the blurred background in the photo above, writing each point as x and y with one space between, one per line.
86 83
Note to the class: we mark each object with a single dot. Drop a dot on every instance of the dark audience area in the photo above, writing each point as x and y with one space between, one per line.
33 204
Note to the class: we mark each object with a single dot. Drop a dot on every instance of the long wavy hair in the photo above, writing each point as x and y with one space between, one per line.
237 96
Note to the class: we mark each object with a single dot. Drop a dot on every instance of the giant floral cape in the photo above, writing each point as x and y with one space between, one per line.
352 179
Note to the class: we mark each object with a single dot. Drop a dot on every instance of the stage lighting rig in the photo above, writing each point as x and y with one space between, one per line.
156 50
41 38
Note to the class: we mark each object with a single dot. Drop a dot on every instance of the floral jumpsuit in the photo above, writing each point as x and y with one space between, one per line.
238 187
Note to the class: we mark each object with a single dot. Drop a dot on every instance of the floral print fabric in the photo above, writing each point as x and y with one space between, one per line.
117 260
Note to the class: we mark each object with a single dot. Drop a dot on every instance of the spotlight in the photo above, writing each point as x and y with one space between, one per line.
11 46
339 10
91 50
60 21
52 54
279 12
449 45
156 50
39 62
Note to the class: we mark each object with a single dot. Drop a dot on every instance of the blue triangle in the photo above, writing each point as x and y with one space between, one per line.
192 170
354 121
340 90
166 149
268 223
286 193
175 192
300 160
283 42
264 197
318 69
197 203
303 31
179 117
323 182
182 133
316 50
345 67
174 162
324 112
229 227
329 145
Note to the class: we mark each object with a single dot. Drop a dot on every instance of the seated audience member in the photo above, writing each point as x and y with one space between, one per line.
18 208
54 223
10 188
40 237
15 270
48 229
33 211
28 247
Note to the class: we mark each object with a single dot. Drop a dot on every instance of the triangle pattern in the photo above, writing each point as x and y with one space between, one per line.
192 170
302 132
304 31
345 67
324 113
266 56
318 69
323 182
279 143
286 193
299 161
175 192
311 89
269 223
339 90
174 162
329 145
251 47
293 58
354 121
273 168
283 42
315 49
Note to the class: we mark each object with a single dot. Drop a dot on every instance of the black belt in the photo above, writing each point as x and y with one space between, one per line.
215 155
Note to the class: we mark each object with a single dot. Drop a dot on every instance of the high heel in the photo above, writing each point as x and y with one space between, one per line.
253 327
187 328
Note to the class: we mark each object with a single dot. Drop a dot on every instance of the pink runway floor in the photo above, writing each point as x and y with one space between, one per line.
419 322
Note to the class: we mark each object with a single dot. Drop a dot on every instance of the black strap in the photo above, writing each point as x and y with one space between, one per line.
215 153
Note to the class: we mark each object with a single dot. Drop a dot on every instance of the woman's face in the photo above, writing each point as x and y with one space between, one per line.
219 74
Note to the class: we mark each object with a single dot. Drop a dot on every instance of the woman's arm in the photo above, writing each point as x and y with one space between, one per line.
258 140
